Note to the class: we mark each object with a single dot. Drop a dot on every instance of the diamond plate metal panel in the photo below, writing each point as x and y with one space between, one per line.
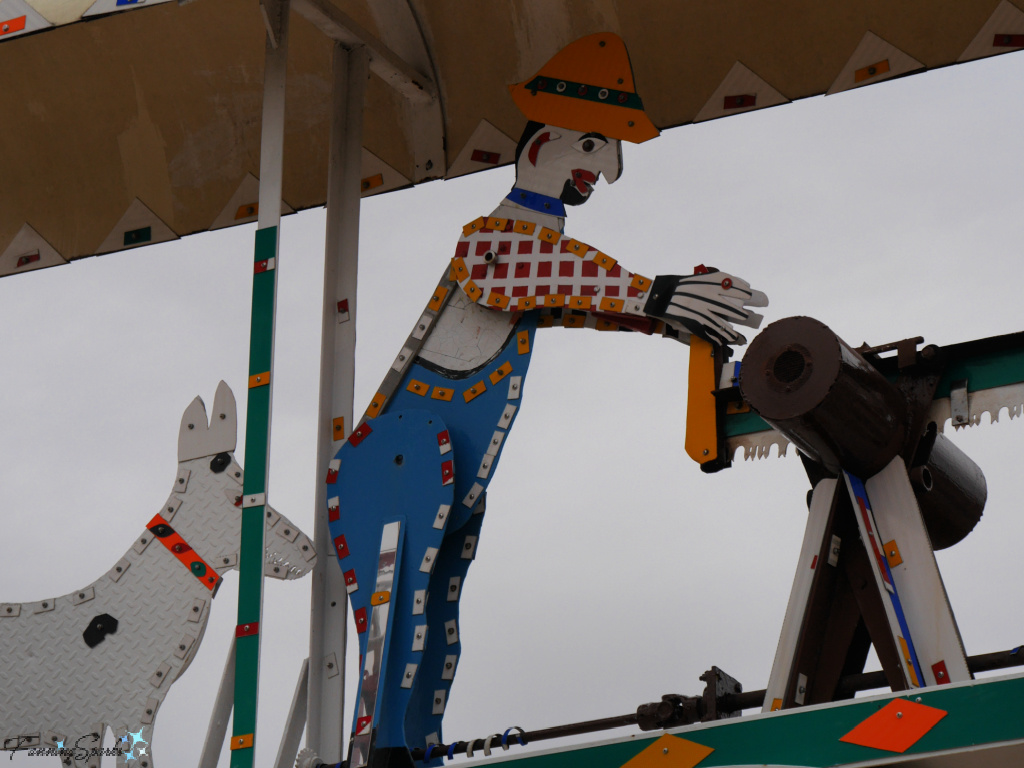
161 610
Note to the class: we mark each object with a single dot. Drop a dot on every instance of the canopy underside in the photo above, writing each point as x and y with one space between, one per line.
128 125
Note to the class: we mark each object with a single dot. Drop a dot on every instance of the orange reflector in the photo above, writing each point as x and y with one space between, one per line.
475 391
375 405
247 211
442 393
504 370
244 741
896 727
437 299
371 182
474 226
865 73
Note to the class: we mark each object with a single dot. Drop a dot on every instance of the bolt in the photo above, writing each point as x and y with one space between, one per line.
664 751
181 647
330 665
899 715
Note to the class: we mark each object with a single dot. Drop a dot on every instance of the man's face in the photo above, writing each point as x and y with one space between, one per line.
566 164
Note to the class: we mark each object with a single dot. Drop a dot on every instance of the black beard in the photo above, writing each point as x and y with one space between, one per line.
572 196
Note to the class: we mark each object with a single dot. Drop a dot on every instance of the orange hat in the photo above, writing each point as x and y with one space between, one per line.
587 86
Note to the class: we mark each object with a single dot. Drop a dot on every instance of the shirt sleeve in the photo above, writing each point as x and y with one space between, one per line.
514 265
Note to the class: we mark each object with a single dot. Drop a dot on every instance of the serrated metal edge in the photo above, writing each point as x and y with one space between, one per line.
990 401
757 445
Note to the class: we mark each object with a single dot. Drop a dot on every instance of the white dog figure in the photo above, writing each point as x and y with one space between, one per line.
106 654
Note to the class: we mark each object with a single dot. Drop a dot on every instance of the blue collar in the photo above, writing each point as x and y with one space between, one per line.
536 202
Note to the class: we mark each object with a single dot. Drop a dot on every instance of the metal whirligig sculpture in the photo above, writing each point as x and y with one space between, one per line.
407 489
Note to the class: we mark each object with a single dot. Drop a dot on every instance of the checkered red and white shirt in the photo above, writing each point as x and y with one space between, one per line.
517 265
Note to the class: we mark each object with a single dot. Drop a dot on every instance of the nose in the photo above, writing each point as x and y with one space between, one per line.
610 161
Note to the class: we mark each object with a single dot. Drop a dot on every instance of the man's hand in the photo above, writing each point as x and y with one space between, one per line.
706 304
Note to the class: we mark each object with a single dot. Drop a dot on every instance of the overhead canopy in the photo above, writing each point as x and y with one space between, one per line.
125 124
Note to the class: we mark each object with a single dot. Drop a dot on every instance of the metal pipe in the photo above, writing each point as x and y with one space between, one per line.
329 600
730 702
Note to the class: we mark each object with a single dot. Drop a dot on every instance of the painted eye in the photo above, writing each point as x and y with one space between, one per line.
589 144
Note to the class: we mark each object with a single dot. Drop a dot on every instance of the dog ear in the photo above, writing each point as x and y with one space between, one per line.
197 438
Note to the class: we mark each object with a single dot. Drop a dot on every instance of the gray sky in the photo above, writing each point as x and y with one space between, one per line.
610 569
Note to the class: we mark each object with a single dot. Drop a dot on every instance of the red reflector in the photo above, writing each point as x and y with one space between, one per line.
1008 41
341 546
244 630
739 102
940 672
11 26
481 156
360 434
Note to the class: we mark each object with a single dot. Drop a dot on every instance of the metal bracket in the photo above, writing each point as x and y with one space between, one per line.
384 62
959 407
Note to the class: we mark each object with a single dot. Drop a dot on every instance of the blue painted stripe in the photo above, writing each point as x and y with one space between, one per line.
861 492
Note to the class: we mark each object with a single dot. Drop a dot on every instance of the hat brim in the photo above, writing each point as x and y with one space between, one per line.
612 120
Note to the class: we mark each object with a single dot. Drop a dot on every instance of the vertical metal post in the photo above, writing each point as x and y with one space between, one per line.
296 721
329 611
220 716
257 412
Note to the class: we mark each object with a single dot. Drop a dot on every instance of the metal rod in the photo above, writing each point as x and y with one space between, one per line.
220 715
296 720
733 702
260 391
329 600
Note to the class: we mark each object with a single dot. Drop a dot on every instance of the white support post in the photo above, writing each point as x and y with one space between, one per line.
329 609
220 716
260 391
296 720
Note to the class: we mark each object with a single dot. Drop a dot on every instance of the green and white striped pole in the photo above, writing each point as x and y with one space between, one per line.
257 412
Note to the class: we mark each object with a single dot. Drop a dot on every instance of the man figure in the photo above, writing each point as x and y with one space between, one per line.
407 488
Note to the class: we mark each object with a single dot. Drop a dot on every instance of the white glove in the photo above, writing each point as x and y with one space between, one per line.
706 305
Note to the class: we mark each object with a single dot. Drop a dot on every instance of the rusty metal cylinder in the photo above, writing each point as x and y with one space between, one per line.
950 489
823 396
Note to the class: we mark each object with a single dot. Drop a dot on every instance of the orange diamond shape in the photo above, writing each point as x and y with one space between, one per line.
670 752
896 727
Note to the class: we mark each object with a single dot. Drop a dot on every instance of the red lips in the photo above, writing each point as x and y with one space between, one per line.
581 179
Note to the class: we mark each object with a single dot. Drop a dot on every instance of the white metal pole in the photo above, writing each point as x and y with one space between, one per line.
292 734
220 715
329 611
